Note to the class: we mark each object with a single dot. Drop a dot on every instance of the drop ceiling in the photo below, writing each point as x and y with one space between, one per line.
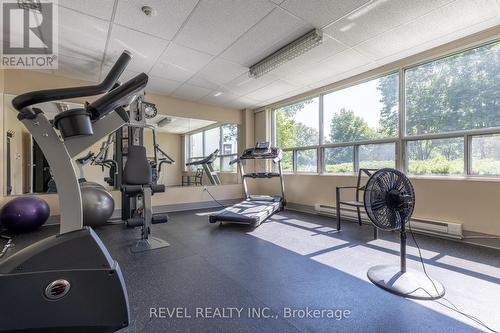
194 49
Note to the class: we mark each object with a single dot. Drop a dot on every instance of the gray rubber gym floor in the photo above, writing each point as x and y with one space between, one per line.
294 261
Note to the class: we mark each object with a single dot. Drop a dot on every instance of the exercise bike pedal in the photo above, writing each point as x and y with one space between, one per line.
135 222
159 218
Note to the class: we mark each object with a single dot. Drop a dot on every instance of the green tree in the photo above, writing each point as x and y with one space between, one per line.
389 116
460 92
290 133
345 126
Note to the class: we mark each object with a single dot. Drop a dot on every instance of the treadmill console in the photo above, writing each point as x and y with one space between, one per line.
262 150
262 145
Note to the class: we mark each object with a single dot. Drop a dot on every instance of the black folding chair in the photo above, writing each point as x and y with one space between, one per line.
357 203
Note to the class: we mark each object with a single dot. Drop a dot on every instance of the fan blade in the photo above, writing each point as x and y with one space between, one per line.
377 204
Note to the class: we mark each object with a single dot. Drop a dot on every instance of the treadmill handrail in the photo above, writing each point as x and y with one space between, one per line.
208 159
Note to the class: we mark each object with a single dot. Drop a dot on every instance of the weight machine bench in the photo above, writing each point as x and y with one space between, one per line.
138 190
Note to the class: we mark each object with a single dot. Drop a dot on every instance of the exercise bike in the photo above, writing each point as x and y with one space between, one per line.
69 282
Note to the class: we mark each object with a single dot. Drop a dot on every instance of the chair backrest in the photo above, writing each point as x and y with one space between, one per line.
199 173
137 169
359 187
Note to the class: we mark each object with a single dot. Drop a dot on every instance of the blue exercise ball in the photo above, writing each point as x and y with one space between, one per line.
24 214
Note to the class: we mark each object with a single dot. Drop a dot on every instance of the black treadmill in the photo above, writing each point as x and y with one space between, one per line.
255 209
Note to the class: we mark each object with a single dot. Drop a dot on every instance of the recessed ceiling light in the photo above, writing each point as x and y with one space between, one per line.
218 93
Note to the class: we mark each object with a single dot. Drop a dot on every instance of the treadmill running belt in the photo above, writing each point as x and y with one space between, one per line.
250 212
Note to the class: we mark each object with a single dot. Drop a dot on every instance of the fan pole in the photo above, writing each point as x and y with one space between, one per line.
403 248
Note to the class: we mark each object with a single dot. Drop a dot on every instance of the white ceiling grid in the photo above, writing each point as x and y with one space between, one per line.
196 49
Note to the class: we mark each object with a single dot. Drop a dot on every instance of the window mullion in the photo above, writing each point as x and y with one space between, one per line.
467 155
294 156
401 150
355 158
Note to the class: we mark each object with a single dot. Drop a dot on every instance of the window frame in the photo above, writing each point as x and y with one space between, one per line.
402 139
220 156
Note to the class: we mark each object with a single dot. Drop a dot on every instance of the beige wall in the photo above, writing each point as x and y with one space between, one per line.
19 81
470 202
172 145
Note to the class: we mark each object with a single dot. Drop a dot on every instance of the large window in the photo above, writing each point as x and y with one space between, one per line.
307 160
456 93
376 156
450 121
203 143
297 125
436 157
339 160
485 155
366 111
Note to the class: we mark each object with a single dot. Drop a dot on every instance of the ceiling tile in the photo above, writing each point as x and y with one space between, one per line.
322 12
202 82
333 65
161 86
215 24
82 69
81 43
274 31
170 14
241 103
244 84
185 58
126 75
170 72
346 60
432 26
98 8
279 87
225 97
145 48
288 94
335 77
222 71
378 17
326 49
190 93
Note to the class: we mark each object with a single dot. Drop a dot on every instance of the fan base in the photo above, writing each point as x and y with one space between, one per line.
411 284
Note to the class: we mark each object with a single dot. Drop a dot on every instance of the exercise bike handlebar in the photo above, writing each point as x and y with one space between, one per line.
35 97
117 97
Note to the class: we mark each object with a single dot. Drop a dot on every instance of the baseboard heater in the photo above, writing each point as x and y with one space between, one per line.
433 227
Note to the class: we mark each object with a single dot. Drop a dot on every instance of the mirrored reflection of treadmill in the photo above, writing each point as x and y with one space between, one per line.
255 209
208 166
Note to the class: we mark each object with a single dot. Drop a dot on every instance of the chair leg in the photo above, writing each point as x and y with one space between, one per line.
337 207
375 232
359 216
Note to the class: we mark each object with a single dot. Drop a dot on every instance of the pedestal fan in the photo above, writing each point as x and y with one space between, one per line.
389 201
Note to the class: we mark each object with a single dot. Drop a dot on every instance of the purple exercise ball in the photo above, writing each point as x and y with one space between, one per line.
24 214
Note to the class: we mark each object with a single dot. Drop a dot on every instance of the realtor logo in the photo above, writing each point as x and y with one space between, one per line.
29 34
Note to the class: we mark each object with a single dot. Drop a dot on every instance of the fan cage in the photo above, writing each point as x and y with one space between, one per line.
382 211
